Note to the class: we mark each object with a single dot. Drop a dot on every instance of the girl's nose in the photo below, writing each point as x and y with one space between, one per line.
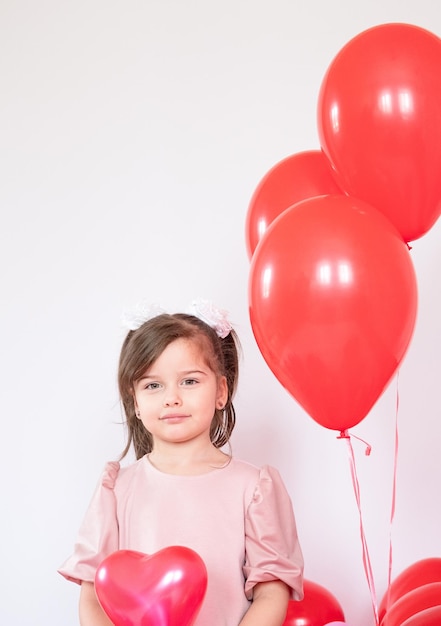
172 398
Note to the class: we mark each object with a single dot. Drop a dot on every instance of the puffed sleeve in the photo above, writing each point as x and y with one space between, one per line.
98 534
272 547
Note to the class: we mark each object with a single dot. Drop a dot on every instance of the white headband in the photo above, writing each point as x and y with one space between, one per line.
202 309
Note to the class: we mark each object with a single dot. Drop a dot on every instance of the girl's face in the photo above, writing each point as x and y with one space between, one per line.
177 396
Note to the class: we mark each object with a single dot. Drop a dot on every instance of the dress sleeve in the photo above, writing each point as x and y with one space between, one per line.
98 534
272 547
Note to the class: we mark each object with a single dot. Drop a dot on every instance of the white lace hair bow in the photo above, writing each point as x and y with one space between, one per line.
202 309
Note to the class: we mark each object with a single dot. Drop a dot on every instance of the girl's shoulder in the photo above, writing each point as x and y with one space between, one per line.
265 474
247 468
115 472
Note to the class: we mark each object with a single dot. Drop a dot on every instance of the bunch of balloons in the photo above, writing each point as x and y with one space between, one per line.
332 287
414 597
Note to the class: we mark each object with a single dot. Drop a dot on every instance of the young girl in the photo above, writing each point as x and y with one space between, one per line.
177 378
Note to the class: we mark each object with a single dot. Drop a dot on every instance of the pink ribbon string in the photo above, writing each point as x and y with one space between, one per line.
394 489
366 558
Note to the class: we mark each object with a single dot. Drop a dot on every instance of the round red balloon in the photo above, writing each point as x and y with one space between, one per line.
333 300
164 589
298 177
379 123
317 608
424 597
416 575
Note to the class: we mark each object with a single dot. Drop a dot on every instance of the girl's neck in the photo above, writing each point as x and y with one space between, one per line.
185 460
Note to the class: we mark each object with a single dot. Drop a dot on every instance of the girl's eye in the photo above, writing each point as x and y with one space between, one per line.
152 386
190 381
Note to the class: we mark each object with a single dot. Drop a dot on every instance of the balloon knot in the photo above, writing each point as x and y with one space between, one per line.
345 434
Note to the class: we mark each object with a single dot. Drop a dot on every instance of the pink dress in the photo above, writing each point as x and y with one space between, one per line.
239 519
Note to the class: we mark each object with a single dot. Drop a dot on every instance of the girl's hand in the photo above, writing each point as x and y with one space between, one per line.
91 613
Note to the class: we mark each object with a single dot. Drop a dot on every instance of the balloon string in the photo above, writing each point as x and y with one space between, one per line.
368 445
394 490
366 559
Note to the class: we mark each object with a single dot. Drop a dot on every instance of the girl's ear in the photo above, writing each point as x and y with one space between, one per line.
222 393
135 406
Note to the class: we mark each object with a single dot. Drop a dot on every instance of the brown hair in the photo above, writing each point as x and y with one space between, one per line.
143 346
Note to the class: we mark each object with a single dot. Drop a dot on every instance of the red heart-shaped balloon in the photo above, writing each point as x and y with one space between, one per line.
163 589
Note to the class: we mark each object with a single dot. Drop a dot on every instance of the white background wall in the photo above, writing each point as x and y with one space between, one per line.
132 137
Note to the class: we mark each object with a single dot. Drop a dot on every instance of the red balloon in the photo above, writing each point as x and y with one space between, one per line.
413 602
164 589
298 177
333 299
317 608
416 575
428 617
379 123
